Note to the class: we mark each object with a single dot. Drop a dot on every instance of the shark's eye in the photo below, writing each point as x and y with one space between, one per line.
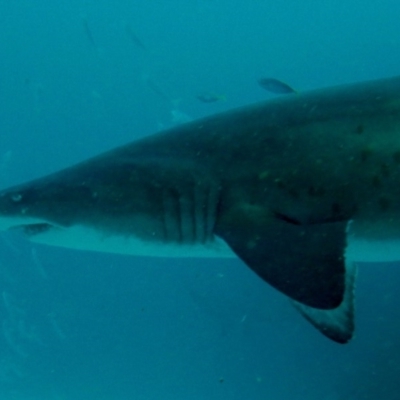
16 197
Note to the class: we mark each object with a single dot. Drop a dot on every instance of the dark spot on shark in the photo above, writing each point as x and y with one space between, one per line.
315 191
360 129
365 154
279 183
396 156
384 203
385 170
376 181
336 210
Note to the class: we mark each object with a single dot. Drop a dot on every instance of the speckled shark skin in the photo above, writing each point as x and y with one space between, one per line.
300 188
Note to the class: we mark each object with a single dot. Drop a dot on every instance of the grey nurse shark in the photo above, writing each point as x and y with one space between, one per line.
300 188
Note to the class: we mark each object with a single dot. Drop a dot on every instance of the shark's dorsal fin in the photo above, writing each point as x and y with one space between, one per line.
305 262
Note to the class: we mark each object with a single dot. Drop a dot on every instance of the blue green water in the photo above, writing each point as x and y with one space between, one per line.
80 77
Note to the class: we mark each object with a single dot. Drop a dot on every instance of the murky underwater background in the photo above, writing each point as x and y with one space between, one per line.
80 77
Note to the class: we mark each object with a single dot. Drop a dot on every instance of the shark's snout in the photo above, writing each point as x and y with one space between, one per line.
15 214
24 208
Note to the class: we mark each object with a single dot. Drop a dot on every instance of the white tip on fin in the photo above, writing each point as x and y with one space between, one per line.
337 324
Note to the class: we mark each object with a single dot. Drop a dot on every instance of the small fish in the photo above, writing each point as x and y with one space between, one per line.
210 97
156 89
275 86
88 32
134 38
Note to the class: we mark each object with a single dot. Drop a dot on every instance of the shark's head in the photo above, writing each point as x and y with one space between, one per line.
45 205
104 215
103 194
110 208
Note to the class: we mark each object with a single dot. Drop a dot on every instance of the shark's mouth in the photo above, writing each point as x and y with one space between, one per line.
34 229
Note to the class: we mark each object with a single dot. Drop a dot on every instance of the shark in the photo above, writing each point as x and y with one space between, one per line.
302 188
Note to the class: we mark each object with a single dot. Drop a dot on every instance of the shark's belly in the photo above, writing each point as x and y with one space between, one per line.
83 238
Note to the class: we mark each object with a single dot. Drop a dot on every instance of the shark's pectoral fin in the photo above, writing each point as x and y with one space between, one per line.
305 262
337 324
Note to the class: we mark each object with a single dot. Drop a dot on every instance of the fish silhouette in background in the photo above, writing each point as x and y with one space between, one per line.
88 32
275 86
134 38
208 97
